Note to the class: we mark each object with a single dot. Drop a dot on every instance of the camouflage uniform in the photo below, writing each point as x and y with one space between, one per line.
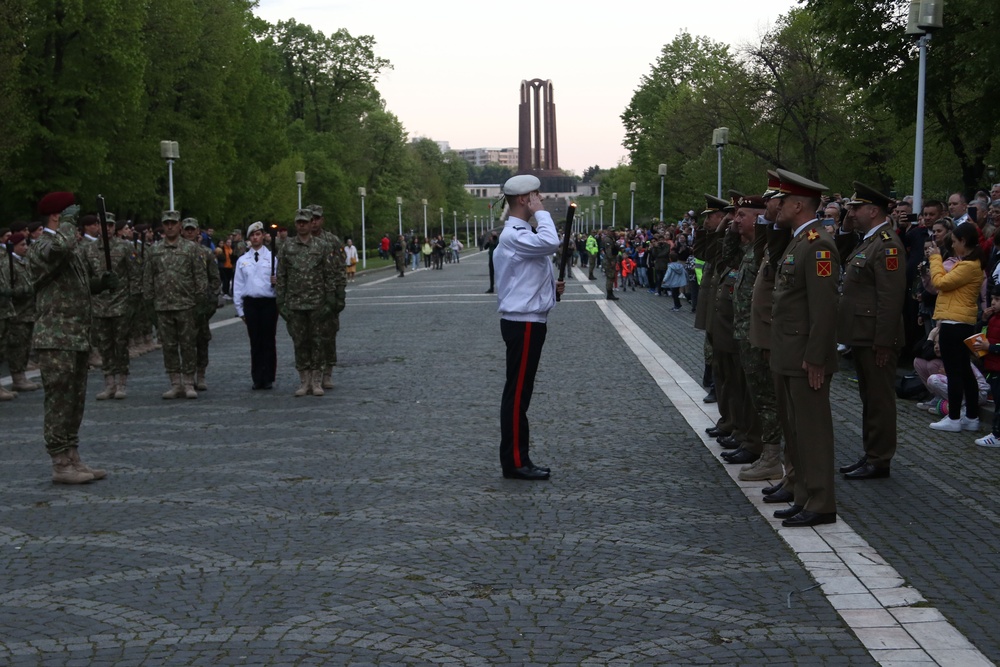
207 304
21 325
111 324
339 266
305 290
610 264
6 313
174 279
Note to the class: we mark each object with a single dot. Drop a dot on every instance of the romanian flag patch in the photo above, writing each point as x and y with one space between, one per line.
891 259
891 252
824 268
822 254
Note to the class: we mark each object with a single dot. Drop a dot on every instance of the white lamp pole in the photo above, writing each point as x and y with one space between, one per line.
300 180
720 137
364 255
631 214
602 213
170 151
399 203
663 176
614 206
925 17
467 230
424 202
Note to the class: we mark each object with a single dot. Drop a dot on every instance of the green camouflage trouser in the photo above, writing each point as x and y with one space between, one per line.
112 335
178 333
307 330
64 379
203 336
18 344
760 384
3 337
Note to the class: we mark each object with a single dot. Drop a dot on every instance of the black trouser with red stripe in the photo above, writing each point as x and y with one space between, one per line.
524 342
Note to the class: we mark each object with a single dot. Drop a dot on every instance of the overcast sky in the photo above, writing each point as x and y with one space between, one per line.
458 66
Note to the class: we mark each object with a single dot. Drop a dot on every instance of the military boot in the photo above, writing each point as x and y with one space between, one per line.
110 387
80 466
188 384
768 466
63 471
305 380
328 377
120 387
7 395
200 380
22 383
94 360
611 297
317 383
176 390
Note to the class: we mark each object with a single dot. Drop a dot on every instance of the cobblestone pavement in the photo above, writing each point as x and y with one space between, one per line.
372 526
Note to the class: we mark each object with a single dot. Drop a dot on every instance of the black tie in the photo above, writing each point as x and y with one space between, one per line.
256 255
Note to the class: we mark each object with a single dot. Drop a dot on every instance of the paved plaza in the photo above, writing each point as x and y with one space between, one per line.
372 526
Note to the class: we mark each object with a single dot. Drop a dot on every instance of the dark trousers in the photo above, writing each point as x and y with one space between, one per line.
958 370
524 342
261 316
877 387
808 423
491 272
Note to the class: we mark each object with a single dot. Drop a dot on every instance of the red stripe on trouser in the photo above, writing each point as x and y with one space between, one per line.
517 395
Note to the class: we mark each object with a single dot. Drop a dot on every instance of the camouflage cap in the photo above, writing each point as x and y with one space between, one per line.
170 216
316 209
304 215
110 217
189 223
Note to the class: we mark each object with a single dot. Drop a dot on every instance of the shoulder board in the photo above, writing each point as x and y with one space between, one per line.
812 235
885 235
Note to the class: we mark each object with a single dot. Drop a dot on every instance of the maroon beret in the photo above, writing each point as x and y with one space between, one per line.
16 238
55 202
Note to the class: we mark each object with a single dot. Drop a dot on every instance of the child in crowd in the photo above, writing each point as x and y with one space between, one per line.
627 268
675 279
992 364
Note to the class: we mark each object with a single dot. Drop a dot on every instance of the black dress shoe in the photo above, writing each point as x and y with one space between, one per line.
867 471
728 442
854 466
542 468
716 432
768 490
741 456
805 518
710 397
525 473
780 496
489 291
788 512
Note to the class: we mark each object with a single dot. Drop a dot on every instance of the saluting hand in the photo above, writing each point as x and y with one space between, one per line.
815 374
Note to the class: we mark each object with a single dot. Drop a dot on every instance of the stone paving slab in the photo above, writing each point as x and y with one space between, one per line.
371 526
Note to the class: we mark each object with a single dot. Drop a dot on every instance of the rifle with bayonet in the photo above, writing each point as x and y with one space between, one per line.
564 257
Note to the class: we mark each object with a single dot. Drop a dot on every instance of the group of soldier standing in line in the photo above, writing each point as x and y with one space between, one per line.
85 283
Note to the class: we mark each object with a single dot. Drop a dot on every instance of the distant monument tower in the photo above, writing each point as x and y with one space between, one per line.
541 156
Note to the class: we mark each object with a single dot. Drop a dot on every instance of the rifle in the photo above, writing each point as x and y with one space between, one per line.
567 230
274 242
102 213
10 261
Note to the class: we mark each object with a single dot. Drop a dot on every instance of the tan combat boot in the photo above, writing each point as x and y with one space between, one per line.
317 383
768 466
80 466
94 360
328 377
22 383
305 380
189 390
176 390
200 380
120 384
63 471
110 387
7 395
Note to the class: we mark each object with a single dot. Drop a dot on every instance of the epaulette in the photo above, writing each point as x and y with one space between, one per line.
885 236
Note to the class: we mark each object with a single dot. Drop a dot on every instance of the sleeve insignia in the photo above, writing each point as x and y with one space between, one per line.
822 254
891 263
824 268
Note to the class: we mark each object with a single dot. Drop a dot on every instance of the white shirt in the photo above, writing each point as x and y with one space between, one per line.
522 263
351 253
871 232
252 278
801 227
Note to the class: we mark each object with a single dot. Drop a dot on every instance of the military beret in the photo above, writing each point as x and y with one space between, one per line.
316 209
303 215
255 227
170 216
16 238
34 226
734 196
794 185
89 219
521 184
55 202
754 201
18 227
866 195
714 204
119 224
189 223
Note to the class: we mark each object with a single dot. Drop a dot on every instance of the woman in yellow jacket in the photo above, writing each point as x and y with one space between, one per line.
957 312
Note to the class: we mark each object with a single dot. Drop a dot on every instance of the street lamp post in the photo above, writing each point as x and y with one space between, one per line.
399 203
364 255
925 17
602 213
720 137
663 176
300 180
614 211
170 151
424 202
631 214
467 230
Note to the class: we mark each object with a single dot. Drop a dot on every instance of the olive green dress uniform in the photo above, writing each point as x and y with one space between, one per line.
22 324
871 315
304 290
111 310
803 329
